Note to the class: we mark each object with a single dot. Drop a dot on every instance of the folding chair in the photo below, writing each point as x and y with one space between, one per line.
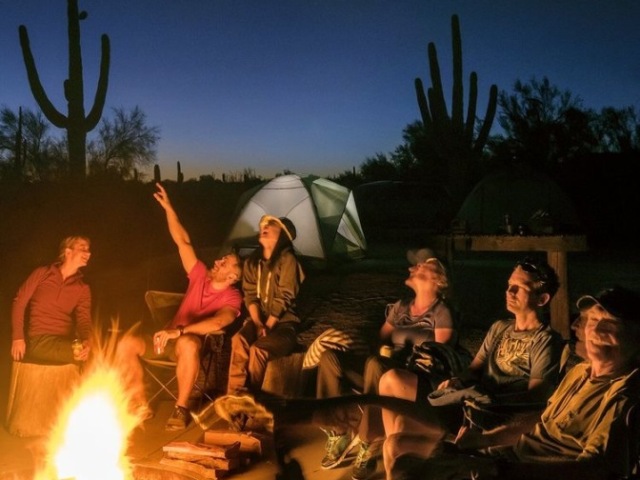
162 307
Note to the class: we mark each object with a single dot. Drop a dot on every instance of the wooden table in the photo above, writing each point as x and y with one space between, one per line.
556 247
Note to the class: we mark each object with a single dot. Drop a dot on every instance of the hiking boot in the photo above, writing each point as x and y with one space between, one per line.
179 419
366 462
336 448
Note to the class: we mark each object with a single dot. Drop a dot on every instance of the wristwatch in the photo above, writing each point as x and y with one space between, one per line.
181 330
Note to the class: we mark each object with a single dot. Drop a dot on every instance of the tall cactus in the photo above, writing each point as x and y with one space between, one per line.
180 177
75 122
452 137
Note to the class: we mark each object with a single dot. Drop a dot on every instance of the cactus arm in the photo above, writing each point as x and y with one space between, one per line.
437 102
471 108
49 110
101 90
488 119
422 104
457 93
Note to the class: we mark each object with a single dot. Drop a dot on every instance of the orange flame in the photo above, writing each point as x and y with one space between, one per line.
90 438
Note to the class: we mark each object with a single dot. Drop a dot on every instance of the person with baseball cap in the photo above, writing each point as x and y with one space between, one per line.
271 279
583 431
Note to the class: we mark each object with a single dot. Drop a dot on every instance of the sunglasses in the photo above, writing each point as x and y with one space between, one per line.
529 266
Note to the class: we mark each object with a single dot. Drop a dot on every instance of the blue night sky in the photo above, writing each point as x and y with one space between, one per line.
312 86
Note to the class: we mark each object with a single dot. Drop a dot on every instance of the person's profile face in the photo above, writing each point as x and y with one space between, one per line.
79 253
520 295
226 267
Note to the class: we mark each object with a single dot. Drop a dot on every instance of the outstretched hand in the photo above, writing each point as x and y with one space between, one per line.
162 197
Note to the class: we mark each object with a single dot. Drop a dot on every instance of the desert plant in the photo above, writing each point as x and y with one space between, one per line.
75 122
180 177
452 138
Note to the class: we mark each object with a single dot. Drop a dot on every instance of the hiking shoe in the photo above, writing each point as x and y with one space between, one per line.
336 449
366 462
179 419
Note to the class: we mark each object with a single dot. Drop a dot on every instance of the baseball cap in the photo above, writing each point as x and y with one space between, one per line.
620 302
283 222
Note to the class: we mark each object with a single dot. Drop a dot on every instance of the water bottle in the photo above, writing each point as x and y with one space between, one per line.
76 348
508 227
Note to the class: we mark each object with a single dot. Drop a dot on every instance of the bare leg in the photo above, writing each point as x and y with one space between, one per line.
188 360
397 383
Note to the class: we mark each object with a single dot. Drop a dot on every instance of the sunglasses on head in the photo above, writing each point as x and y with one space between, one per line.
529 266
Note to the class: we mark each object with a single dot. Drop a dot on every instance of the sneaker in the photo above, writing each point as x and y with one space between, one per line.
366 462
179 419
336 448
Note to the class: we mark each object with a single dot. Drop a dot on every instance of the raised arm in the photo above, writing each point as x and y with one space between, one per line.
177 231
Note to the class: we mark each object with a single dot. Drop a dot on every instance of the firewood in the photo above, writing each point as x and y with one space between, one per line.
204 472
228 464
250 442
230 450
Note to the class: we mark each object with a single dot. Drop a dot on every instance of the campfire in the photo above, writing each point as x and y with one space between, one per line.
90 438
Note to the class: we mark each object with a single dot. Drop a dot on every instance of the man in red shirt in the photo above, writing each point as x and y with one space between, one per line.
211 303
58 303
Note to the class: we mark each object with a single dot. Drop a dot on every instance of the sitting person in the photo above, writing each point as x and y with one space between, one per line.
424 317
58 303
211 303
271 279
518 362
582 432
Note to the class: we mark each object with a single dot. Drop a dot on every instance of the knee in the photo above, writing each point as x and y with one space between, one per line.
399 383
129 346
388 381
328 362
188 346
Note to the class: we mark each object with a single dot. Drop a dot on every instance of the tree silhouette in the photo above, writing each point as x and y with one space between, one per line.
544 126
618 130
124 144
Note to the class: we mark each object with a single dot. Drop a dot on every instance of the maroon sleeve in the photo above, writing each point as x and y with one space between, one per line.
20 302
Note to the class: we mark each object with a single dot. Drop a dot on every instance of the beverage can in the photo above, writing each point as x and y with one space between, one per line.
157 346
76 347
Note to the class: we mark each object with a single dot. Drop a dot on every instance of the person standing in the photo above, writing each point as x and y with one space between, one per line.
53 307
271 280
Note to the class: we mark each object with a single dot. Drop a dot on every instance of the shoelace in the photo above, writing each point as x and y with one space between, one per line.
363 454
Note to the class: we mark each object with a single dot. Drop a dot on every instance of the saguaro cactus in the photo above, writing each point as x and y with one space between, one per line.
452 137
180 177
75 122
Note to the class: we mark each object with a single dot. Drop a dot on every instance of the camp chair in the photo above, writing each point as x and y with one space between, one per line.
162 307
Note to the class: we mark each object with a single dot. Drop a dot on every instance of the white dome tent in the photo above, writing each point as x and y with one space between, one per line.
323 212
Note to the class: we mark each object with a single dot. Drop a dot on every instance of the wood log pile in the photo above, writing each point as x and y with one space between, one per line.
220 453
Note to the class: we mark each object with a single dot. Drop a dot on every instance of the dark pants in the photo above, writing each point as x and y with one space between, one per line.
250 354
49 349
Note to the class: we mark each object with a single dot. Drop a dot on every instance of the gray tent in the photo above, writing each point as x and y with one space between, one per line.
529 198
